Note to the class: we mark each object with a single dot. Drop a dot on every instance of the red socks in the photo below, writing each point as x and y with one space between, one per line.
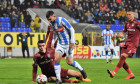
120 64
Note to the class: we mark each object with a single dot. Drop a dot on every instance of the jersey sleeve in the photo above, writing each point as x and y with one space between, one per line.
102 34
34 71
125 28
48 31
137 23
67 25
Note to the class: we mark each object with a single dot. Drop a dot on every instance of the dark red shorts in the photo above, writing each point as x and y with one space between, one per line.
129 50
64 73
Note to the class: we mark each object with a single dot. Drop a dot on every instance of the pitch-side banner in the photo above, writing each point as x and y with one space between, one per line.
94 52
9 39
98 52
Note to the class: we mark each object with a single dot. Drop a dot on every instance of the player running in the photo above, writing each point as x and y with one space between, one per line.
133 29
64 32
45 59
107 34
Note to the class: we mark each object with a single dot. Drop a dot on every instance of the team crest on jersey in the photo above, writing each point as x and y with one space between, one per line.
132 24
129 51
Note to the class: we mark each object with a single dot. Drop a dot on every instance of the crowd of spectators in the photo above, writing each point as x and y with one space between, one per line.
101 11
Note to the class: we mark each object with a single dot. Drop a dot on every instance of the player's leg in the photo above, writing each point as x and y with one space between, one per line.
58 54
23 51
119 65
73 73
27 49
75 64
106 52
57 66
126 67
112 50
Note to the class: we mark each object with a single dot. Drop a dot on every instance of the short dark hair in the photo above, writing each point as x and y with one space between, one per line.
49 13
41 41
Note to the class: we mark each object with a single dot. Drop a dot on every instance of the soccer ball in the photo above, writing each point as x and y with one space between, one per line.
41 79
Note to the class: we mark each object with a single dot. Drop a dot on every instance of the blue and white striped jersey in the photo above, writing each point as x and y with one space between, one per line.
107 36
63 31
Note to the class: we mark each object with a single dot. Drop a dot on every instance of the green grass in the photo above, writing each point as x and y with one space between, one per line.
19 71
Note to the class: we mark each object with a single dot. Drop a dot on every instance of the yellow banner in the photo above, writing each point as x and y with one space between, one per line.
9 39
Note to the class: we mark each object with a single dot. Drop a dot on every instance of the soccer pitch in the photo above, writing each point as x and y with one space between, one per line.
19 71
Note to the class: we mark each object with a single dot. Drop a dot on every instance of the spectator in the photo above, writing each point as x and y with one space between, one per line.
47 5
37 21
122 19
27 20
85 39
1 12
42 5
24 43
14 17
112 19
90 18
53 5
23 7
123 12
82 20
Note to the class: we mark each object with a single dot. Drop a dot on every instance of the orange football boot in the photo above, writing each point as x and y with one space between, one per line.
112 73
86 80
130 76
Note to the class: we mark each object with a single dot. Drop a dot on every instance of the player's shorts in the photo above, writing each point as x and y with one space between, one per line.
107 47
64 49
129 50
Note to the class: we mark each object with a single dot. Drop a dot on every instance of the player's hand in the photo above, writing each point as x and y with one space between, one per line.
113 37
72 45
52 46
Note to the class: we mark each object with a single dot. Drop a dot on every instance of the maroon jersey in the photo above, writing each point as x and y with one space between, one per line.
46 63
133 29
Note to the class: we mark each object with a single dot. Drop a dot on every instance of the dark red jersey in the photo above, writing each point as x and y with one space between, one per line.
45 62
133 29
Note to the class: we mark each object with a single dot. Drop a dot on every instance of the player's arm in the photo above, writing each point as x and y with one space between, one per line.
28 34
67 25
102 35
48 31
54 39
138 24
122 33
34 72
119 35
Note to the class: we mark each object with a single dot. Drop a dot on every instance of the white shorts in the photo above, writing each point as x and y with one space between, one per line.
64 49
108 47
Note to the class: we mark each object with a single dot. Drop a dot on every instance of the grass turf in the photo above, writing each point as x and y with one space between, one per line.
19 71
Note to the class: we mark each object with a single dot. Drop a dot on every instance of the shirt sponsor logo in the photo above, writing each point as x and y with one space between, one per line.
107 34
59 29
47 61
131 29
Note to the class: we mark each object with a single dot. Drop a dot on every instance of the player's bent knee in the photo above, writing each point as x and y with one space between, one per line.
124 55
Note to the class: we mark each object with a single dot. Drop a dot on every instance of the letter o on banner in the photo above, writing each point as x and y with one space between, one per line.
8 39
77 42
